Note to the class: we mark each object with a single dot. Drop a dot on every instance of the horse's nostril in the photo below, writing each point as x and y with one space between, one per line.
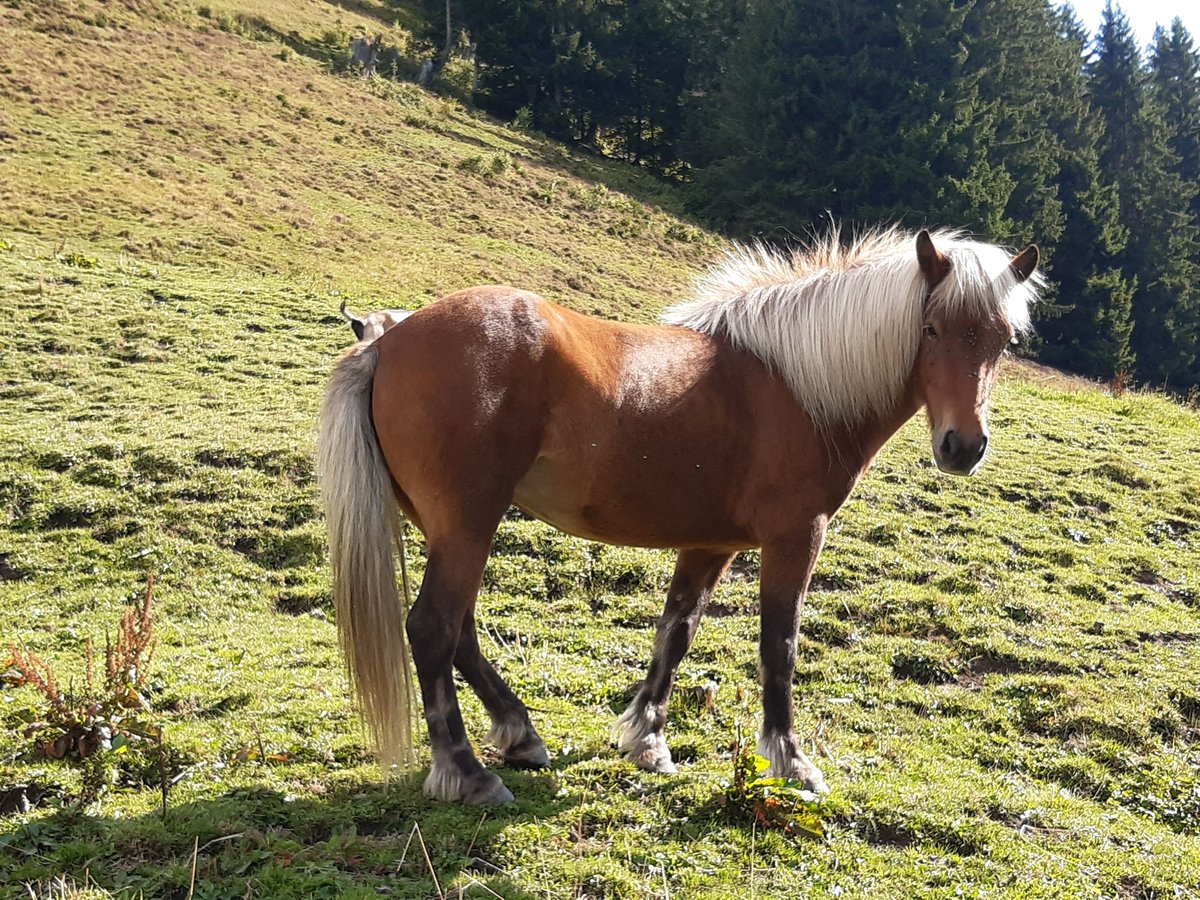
983 442
951 445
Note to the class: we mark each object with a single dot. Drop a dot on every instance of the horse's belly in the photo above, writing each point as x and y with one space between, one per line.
545 495
633 513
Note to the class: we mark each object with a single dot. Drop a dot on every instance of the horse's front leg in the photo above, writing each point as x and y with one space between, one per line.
639 731
786 568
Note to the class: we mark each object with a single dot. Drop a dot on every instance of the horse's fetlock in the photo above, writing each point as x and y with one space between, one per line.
638 733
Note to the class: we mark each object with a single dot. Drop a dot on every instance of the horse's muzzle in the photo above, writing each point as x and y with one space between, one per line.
957 456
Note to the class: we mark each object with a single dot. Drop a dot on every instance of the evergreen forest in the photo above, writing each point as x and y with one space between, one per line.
1005 118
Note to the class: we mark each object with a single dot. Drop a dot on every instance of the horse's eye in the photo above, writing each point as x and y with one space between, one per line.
929 331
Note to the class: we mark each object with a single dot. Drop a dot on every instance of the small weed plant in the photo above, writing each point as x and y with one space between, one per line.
1119 383
104 717
779 804
77 260
488 167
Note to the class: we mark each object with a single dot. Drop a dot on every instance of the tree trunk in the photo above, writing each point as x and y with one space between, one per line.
444 57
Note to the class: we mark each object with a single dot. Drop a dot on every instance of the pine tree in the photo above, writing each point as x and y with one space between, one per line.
1175 81
865 110
610 74
1175 85
1088 323
541 55
1155 206
649 53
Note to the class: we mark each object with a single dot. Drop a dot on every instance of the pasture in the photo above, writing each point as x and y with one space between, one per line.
998 676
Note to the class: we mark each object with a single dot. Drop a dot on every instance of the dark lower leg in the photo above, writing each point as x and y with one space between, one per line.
434 624
777 742
512 733
640 728
785 576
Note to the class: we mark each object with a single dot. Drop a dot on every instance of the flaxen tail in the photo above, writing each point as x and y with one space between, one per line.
363 521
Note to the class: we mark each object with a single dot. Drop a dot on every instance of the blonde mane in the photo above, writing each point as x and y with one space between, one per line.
841 324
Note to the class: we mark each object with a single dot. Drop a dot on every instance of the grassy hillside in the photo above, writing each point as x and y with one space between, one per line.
998 675
169 140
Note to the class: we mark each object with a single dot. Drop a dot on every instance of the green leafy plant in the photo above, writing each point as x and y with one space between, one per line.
523 120
77 260
781 804
498 164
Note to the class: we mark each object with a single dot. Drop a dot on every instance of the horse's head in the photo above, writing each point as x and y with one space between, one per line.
973 309
373 325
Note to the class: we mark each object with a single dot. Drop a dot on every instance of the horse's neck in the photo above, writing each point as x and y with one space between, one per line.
867 439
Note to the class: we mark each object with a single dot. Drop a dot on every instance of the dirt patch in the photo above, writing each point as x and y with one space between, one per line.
10 571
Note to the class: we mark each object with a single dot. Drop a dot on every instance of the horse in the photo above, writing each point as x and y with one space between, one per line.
372 325
743 421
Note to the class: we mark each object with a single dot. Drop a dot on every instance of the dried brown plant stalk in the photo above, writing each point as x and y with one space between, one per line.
126 664
83 723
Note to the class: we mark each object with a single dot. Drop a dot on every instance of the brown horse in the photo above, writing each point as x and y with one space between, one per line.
744 422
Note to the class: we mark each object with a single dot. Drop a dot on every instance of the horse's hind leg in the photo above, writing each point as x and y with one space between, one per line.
512 733
435 623
639 731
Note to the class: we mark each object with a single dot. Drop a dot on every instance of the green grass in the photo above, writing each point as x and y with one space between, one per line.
998 675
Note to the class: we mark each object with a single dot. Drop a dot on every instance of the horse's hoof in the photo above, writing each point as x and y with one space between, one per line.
486 789
640 740
786 762
519 745
663 766
530 755
655 758
809 775
814 781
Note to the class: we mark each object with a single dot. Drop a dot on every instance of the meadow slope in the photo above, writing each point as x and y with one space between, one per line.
999 675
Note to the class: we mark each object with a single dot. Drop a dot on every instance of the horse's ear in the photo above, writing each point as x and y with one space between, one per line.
1025 262
355 322
934 266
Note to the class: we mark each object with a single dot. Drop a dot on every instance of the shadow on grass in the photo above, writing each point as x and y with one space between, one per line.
365 838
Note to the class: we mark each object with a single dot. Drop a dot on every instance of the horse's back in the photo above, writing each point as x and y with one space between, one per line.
493 317
495 338
631 434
